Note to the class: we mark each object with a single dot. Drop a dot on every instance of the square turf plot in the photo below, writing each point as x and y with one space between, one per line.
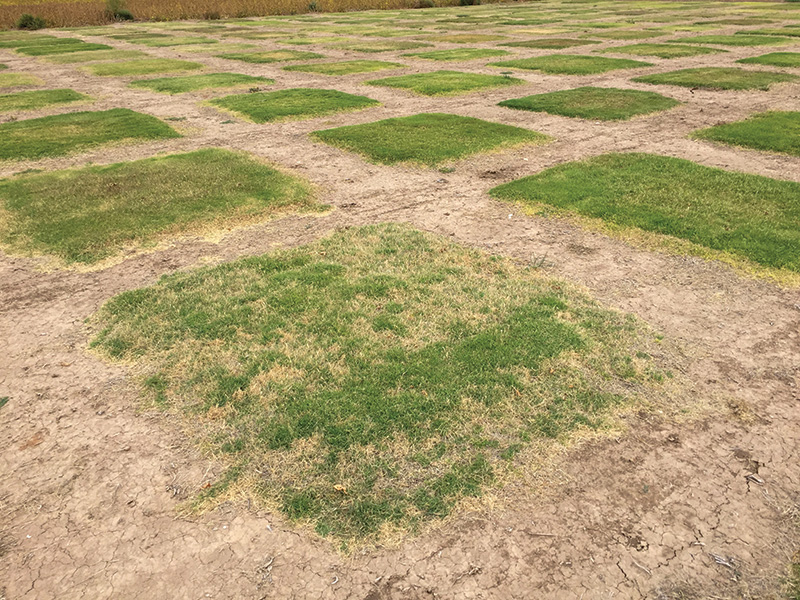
464 38
427 139
168 41
192 83
571 64
550 43
790 31
48 50
626 34
95 56
377 47
38 99
65 134
271 56
296 103
89 214
445 83
12 80
775 59
662 50
347 67
720 78
747 216
605 104
145 66
736 40
775 131
449 362
459 54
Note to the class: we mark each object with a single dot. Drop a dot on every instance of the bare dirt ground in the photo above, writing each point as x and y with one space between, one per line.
89 484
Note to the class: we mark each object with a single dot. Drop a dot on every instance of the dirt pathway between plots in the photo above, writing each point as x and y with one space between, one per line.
89 486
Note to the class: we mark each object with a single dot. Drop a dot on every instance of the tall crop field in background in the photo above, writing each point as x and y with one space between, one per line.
70 13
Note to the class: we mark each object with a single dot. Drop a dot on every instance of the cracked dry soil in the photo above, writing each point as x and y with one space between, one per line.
89 484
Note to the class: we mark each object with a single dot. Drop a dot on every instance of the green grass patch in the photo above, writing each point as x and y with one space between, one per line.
95 56
297 103
365 384
736 40
747 216
4 400
571 64
775 131
90 214
662 50
428 139
38 99
271 56
347 67
605 104
550 43
192 83
720 78
37 41
146 66
61 49
58 135
379 46
785 31
445 83
459 54
11 80
775 59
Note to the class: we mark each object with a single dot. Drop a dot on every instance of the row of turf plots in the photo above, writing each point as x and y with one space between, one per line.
382 375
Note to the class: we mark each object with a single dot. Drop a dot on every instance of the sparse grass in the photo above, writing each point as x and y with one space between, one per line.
747 216
427 139
606 104
365 384
721 78
192 83
464 38
61 49
550 43
445 83
168 41
216 49
93 213
347 67
736 40
571 64
380 46
775 59
145 66
271 56
297 103
58 135
12 80
38 99
662 50
459 54
774 131
95 56
627 34
793 581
